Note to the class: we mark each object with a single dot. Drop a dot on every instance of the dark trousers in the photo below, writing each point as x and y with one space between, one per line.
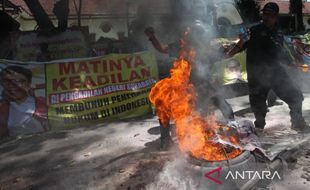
283 87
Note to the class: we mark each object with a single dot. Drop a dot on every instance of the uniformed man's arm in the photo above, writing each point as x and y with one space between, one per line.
240 46
155 42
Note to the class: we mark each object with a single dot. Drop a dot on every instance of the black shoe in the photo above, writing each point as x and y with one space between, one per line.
302 127
258 131
166 143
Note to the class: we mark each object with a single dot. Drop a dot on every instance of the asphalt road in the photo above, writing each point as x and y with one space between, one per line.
120 155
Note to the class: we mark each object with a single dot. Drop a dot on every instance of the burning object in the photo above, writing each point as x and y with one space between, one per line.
175 98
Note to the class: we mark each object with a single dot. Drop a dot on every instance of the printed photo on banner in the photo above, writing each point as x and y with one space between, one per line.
69 93
22 100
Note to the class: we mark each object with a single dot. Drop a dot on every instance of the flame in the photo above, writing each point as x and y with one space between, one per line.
175 98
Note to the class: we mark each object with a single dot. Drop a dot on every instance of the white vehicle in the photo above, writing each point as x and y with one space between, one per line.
227 13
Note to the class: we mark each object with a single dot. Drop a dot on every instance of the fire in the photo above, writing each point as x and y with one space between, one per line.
174 99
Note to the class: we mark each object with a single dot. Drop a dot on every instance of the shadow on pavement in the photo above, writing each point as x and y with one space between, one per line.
154 131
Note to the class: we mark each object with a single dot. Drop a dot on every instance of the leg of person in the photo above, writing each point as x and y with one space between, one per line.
258 95
297 119
227 111
292 95
165 138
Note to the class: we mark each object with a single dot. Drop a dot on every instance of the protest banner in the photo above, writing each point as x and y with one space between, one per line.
75 92
68 44
112 87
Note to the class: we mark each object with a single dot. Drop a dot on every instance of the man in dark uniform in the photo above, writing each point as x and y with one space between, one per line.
266 62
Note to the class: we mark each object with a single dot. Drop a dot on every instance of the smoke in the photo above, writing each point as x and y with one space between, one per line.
176 176
200 16
169 18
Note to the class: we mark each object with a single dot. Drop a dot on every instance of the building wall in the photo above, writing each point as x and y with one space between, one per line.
305 19
118 24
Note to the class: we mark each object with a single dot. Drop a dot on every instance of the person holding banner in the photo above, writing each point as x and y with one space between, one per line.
21 111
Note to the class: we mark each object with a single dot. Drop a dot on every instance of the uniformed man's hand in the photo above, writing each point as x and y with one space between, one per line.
235 49
149 31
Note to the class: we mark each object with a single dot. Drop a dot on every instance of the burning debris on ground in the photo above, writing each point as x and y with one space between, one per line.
175 98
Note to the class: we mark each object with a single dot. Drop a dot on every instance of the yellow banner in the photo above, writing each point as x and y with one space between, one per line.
91 91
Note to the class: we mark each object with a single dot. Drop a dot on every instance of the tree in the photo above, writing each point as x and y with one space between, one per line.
296 8
61 11
40 15
249 10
